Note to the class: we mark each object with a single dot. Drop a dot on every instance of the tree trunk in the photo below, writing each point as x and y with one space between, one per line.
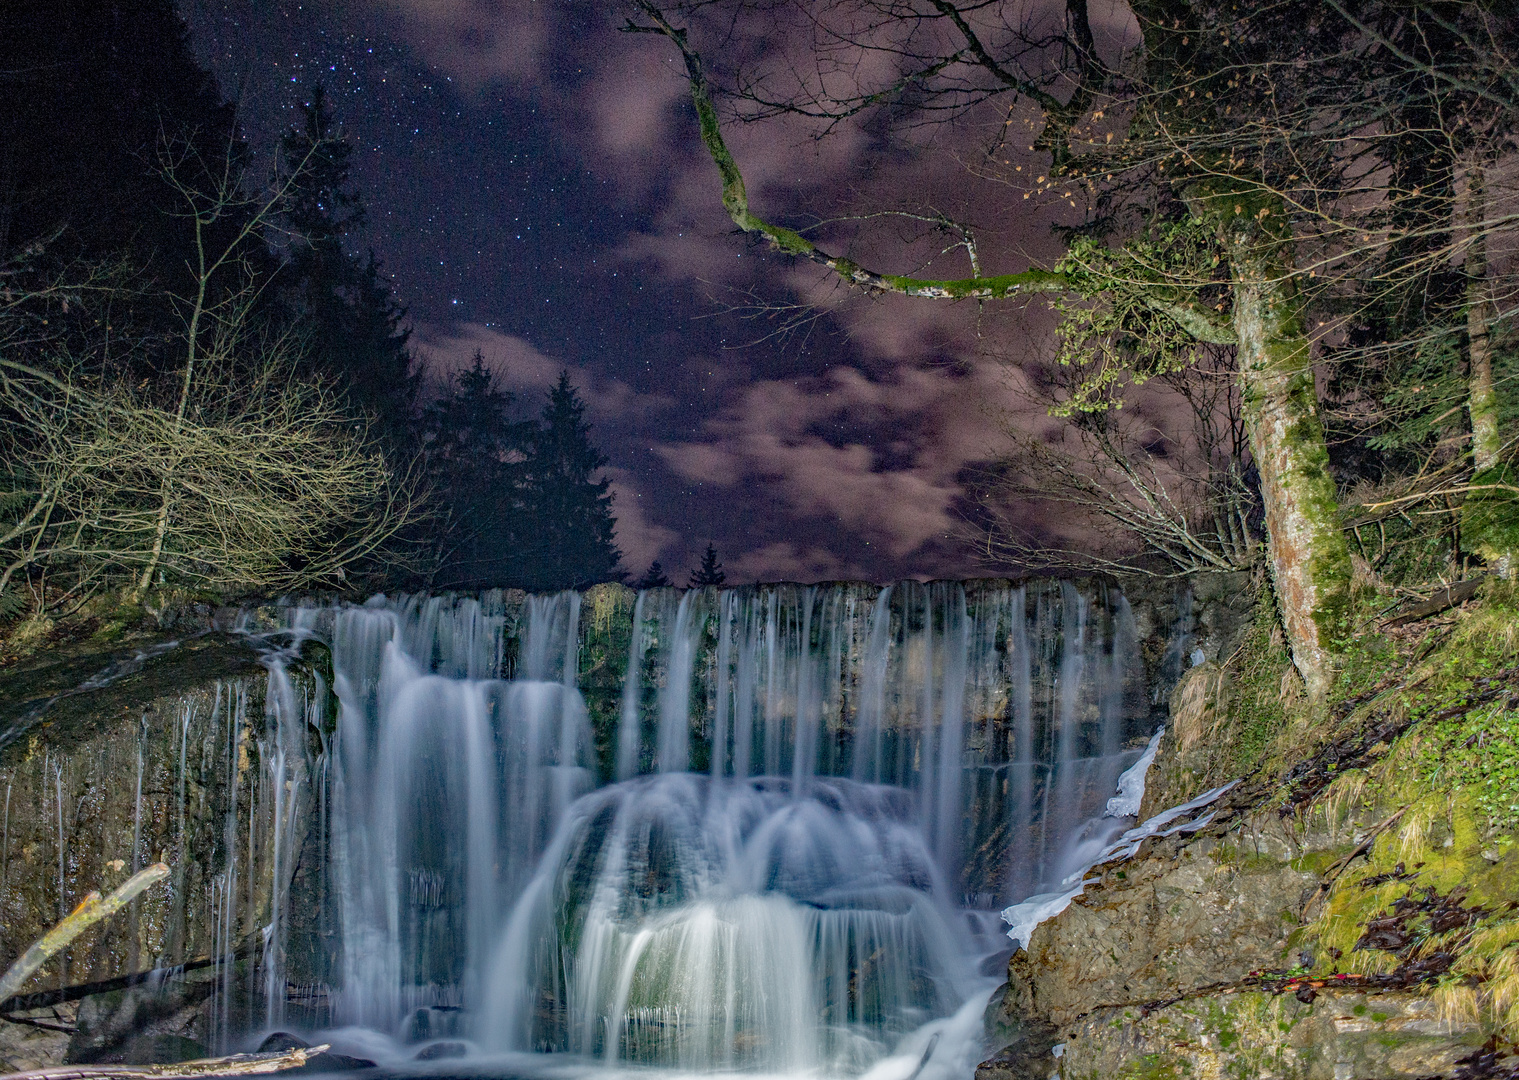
1310 562
1486 443
1489 516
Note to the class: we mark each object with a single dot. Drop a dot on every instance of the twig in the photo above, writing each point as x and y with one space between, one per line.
30 1021
89 912
1333 873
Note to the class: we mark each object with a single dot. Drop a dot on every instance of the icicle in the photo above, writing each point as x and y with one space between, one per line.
5 843
63 897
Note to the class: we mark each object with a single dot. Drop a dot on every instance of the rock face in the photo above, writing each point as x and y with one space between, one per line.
1151 973
161 765
115 758
1337 1036
1180 916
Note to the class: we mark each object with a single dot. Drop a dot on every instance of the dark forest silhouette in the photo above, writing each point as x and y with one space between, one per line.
122 166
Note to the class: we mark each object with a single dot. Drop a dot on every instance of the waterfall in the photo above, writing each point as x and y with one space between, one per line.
752 828
448 782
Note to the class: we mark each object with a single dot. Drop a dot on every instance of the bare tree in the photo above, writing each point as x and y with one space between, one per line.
268 483
222 314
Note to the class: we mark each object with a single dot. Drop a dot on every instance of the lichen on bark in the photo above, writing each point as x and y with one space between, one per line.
1310 561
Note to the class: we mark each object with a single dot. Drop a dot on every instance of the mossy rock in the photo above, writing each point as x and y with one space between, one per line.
1490 515
162 1050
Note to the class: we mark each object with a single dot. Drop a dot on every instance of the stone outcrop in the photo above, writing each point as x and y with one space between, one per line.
113 777
1336 1036
114 757
1178 916
1191 960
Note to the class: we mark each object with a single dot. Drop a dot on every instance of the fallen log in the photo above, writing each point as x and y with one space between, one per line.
233 1065
43 999
1458 592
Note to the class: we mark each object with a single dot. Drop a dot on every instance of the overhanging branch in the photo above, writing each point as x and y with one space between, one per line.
789 241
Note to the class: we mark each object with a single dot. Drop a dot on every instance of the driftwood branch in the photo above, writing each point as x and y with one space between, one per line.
89 912
1456 593
235 1065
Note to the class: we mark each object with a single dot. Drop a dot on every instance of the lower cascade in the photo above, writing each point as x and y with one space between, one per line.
719 923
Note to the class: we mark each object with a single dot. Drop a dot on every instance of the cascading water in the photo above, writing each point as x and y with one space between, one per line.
448 783
710 923
812 796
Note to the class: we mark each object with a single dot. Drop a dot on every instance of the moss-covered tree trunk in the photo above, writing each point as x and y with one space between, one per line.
1310 562
1491 517
1486 444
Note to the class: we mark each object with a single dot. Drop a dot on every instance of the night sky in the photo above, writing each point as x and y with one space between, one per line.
535 189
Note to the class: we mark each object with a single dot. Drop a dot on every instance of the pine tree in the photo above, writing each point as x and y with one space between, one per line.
710 573
352 318
569 511
473 452
653 578
100 101
91 90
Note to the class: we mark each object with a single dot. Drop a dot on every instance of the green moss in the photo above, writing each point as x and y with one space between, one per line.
1155 1067
1319 860
1490 515
1257 713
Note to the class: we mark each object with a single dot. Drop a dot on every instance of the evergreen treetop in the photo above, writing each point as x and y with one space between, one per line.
653 578
569 510
710 572
352 321
474 454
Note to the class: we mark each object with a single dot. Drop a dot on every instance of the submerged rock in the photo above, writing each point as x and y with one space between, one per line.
141 1023
439 1050
326 1062
280 1041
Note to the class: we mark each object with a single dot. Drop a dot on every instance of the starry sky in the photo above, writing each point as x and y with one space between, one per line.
535 190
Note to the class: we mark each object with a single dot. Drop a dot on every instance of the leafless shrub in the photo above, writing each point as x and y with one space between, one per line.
1143 500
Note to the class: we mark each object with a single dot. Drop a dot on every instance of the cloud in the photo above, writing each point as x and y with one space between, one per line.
478 41
789 561
865 455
